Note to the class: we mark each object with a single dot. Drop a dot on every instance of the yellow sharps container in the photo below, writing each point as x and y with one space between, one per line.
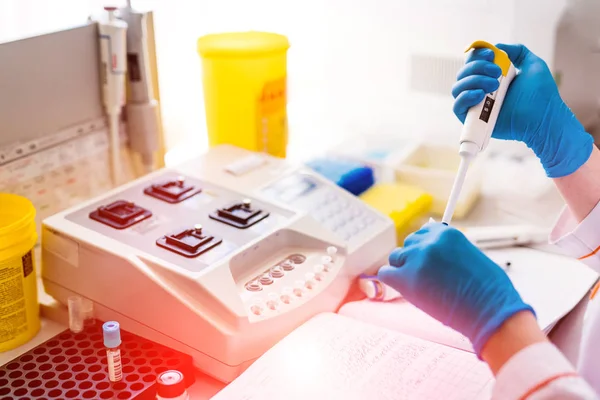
245 94
19 310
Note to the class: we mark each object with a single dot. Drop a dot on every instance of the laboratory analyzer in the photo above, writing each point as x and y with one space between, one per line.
219 258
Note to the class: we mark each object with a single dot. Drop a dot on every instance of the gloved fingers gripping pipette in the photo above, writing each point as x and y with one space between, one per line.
480 119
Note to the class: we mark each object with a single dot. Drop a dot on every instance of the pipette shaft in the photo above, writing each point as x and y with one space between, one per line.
459 180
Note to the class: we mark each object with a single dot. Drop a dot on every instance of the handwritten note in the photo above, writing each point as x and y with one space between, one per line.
401 316
336 357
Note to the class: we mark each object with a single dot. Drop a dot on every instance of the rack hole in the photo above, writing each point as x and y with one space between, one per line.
39 350
152 354
91 360
48 375
34 383
131 345
29 366
145 369
12 366
62 367
90 394
99 345
83 344
85 385
52 343
147 346
80 336
95 337
17 383
136 353
78 368
137 386
120 386
95 368
54 351
128 369
81 377
68 385
65 336
58 359
161 369
32 375
107 395
139 361
71 394
168 353
68 343
4 391
149 378
87 352
74 359
132 378
124 395
26 358
55 393
65 375
71 351
102 385
38 392
3 382
15 374
51 384
45 358
98 377
45 367
125 360
20 392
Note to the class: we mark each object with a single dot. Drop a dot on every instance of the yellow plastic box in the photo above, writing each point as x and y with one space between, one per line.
406 205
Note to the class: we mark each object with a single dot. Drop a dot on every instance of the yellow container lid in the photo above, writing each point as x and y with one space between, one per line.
241 44
17 220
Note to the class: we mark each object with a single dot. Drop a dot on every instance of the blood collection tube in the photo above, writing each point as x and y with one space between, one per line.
171 386
112 341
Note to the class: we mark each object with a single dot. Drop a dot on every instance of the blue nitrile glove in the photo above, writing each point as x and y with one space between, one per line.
446 276
533 111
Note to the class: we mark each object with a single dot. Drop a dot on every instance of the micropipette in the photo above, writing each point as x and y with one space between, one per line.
113 60
479 124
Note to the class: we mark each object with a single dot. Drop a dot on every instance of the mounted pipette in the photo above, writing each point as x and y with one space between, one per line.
479 124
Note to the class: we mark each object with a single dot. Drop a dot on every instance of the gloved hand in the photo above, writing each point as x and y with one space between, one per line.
533 111
446 276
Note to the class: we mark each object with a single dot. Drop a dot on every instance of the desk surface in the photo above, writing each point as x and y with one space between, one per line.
566 334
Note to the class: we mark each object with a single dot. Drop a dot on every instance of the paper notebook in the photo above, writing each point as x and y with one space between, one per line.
381 351
334 357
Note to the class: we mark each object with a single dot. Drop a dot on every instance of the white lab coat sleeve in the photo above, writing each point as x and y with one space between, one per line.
582 240
579 239
540 372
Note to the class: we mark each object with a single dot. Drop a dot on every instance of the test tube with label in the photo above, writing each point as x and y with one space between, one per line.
112 341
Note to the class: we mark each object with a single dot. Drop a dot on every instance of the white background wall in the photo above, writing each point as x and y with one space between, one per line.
348 67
